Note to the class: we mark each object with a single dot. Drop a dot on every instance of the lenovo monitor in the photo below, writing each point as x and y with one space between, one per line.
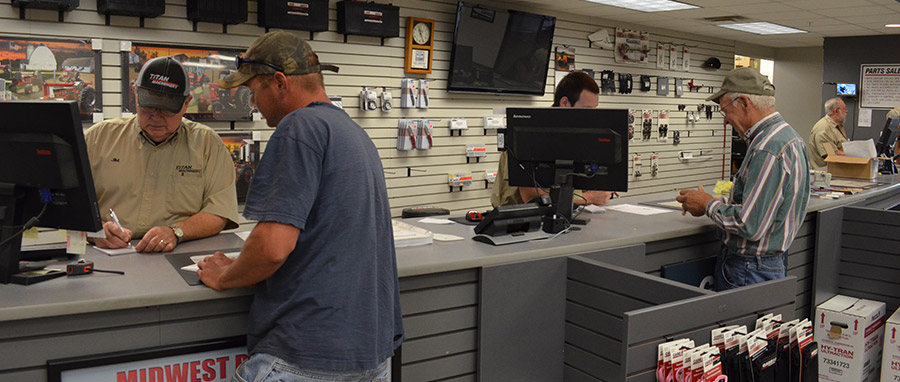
565 149
46 177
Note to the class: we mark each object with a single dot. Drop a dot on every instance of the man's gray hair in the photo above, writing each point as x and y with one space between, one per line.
761 102
831 105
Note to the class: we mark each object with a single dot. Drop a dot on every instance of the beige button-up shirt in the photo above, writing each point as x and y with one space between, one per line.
150 185
826 130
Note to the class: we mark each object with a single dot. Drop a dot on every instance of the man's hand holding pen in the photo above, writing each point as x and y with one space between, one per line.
116 236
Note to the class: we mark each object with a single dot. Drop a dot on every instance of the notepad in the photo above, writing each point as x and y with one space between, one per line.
116 251
196 259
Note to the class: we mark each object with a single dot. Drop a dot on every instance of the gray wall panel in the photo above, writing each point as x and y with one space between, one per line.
574 375
209 328
36 351
438 279
439 346
594 343
636 285
440 368
591 364
828 252
631 257
31 375
239 305
601 299
440 322
78 322
600 322
516 349
428 300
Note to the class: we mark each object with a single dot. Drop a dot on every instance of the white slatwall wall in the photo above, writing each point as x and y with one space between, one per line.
364 62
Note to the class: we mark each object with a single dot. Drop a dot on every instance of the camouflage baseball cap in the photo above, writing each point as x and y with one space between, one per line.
277 51
744 80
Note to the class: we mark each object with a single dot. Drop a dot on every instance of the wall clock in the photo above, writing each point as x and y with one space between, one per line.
419 45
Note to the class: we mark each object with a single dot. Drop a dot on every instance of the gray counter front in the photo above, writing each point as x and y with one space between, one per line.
459 298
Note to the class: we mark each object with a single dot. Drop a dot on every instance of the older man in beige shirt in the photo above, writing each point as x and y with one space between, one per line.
167 178
829 129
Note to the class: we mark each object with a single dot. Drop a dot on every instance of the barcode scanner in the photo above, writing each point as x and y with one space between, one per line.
474 216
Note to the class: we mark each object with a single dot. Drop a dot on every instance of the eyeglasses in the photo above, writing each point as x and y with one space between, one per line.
149 111
722 109
238 61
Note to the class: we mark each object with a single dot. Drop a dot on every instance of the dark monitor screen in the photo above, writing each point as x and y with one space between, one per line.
42 147
888 136
500 51
594 140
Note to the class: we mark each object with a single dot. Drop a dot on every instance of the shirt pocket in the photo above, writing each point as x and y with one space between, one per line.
185 194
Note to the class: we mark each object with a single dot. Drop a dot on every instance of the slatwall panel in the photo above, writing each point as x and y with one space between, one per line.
870 256
440 317
420 177
801 265
616 317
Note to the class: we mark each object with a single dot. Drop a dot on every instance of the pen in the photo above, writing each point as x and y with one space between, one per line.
115 219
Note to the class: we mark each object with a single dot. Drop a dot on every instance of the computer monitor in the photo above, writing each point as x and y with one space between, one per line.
565 149
44 159
885 145
846 90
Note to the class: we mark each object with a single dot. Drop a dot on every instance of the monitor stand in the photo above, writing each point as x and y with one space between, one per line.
11 220
562 196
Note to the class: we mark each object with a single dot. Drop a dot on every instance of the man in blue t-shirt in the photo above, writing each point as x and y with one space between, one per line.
321 257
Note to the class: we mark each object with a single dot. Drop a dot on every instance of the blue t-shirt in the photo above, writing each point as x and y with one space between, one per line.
335 303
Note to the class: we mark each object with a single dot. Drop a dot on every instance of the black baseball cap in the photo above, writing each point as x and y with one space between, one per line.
162 84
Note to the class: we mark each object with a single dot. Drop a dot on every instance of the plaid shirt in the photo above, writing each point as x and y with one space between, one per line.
770 193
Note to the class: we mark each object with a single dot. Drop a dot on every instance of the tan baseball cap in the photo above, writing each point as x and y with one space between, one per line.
277 51
744 80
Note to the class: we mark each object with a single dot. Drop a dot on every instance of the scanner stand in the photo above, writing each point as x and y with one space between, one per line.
516 237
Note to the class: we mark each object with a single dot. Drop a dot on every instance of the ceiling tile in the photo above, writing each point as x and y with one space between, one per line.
754 9
854 11
825 4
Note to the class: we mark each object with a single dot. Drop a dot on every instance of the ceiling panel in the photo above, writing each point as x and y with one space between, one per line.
832 18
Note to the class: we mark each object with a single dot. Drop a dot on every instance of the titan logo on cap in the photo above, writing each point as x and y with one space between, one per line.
162 80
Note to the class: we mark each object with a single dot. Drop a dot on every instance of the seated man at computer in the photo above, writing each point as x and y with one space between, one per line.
167 178
829 129
577 89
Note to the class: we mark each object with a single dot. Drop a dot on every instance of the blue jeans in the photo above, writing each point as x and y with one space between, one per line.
734 270
268 368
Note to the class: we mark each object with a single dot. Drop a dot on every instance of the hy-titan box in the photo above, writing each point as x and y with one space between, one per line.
890 363
849 332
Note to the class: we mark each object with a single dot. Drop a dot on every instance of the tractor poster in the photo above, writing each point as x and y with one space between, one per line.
205 66
38 69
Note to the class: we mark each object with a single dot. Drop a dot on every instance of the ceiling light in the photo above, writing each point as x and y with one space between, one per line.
647 5
892 25
762 28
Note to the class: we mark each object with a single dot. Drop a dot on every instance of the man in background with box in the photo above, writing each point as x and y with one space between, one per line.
849 332
762 215
829 129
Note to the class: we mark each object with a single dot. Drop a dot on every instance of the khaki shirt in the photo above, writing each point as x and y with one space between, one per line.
826 130
150 185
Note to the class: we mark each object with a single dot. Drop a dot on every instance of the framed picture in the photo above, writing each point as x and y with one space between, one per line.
50 69
205 66
212 361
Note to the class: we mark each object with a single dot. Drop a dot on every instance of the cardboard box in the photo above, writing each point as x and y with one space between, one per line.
850 167
849 333
890 362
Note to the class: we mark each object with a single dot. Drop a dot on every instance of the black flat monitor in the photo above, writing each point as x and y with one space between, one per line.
885 145
565 149
46 175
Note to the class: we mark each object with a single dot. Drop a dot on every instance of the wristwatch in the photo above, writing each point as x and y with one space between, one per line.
179 234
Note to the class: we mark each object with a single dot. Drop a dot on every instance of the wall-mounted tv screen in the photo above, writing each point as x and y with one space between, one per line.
846 89
500 51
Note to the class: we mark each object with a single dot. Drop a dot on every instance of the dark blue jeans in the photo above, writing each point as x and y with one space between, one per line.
734 270
267 368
